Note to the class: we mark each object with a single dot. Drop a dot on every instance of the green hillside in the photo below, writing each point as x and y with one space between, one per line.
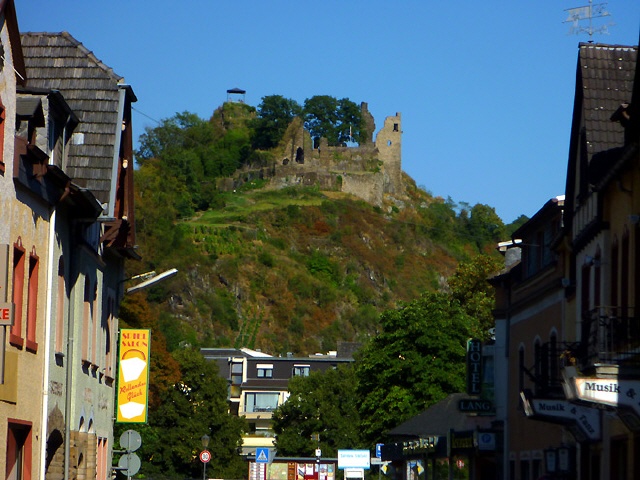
293 269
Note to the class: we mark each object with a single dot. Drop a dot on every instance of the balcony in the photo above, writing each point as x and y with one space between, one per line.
611 336
545 373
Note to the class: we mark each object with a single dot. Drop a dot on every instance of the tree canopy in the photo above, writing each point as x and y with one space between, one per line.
339 121
195 405
275 113
419 356
324 403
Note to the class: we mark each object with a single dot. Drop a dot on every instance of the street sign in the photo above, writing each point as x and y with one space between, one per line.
475 405
130 441
262 455
379 450
205 456
6 314
359 459
129 464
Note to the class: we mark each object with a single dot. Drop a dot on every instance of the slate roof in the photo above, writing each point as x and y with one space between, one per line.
58 61
438 419
605 78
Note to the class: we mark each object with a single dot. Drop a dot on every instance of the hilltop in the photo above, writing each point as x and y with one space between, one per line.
301 245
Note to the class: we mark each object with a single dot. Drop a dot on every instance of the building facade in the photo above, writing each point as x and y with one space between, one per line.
66 193
258 384
568 302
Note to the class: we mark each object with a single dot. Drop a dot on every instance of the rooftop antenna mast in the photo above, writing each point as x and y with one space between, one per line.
587 12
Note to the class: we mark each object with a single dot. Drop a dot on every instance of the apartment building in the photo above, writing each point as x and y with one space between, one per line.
258 384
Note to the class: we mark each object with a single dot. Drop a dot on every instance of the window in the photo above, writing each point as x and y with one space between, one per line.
102 465
624 276
301 370
15 336
60 297
236 379
32 301
614 272
521 368
87 319
19 450
265 371
261 402
525 473
109 339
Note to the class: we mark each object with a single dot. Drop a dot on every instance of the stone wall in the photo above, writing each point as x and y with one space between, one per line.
368 171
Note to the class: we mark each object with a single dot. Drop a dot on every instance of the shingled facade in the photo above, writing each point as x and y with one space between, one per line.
100 155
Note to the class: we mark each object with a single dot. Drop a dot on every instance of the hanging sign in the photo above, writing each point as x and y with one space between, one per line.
133 376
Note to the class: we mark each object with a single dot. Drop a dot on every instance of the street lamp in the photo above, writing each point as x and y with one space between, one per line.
205 456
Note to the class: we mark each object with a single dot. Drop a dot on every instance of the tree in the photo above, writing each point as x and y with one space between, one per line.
275 113
485 226
336 120
417 360
323 403
195 405
470 288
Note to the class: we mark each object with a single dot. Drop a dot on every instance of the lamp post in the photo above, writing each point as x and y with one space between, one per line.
205 455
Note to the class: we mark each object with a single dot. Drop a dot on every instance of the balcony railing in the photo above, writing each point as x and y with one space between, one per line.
610 335
546 371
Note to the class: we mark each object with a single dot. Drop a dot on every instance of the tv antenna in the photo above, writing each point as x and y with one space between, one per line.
587 12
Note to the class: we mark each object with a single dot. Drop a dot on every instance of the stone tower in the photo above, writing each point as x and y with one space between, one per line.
389 144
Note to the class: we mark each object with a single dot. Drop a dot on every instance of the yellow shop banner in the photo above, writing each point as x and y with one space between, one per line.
133 375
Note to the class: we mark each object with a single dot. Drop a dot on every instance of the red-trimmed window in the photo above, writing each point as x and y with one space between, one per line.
60 297
86 319
19 450
95 344
102 465
109 339
2 124
32 301
15 335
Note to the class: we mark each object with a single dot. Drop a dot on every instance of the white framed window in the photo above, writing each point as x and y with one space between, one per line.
301 370
265 370
261 401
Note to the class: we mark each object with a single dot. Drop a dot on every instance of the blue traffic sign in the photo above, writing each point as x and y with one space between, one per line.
262 455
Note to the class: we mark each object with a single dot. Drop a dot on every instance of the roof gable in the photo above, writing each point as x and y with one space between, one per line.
606 74
59 62
604 80
8 9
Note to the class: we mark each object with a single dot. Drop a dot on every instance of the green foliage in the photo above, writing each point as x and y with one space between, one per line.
323 403
320 266
194 406
415 361
275 113
336 120
470 288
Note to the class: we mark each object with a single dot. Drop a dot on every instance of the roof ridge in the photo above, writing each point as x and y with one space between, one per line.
607 45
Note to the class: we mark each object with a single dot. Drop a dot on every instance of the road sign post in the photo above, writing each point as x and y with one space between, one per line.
205 457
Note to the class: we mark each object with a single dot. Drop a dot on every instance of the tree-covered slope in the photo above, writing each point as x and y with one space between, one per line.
290 270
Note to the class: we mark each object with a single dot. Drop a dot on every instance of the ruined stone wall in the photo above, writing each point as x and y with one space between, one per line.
389 144
369 187
367 171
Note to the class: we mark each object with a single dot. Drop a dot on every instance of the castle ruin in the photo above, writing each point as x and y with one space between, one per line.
367 171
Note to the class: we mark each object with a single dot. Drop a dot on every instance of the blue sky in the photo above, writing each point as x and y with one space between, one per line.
485 89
